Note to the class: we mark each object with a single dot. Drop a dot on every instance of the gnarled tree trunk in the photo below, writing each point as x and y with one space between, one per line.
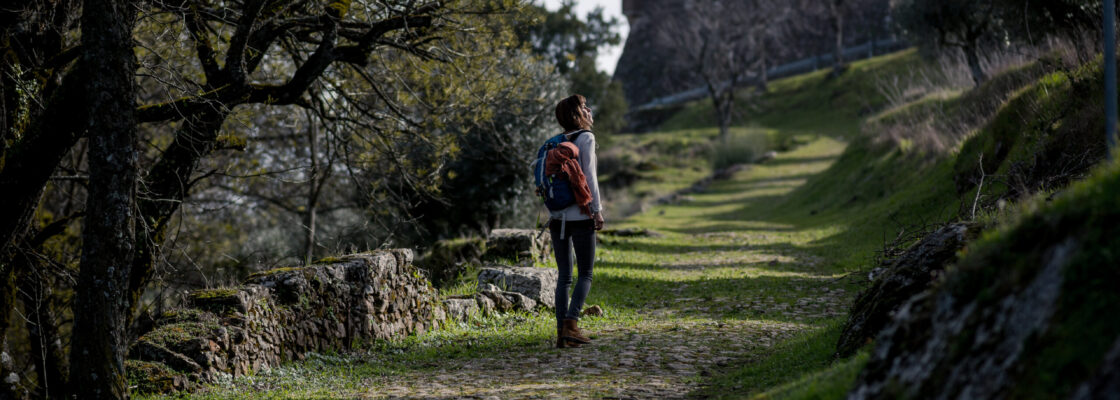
97 353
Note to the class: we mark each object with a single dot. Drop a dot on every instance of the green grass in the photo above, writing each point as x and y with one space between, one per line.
789 367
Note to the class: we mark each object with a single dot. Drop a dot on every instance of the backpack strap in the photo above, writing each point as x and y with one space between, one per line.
575 135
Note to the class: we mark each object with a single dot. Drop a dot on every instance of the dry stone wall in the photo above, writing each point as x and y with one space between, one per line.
283 314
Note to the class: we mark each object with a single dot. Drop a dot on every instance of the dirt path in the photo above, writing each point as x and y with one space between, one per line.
657 360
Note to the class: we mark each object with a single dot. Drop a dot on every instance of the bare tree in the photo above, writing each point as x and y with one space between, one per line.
724 42
836 14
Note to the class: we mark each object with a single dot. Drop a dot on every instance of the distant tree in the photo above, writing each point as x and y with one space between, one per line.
605 96
836 13
1030 21
724 43
968 25
572 44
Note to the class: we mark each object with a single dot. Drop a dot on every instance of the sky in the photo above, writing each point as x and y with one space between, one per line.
611 8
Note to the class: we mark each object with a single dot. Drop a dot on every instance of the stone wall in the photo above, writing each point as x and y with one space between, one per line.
282 314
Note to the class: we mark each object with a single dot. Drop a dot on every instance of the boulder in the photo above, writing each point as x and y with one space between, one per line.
518 245
538 284
904 277
460 309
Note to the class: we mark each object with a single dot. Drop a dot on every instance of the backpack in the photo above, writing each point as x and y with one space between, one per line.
553 189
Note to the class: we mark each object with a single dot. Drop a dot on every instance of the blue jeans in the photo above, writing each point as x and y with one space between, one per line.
581 235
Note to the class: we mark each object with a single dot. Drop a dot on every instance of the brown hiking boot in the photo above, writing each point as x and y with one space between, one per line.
560 341
571 332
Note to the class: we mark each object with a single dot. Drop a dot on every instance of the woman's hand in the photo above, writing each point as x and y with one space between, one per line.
598 218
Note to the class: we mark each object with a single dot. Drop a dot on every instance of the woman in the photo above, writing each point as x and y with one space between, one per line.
575 227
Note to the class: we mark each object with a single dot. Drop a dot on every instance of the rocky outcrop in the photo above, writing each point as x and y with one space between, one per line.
903 277
282 314
1026 313
538 284
642 68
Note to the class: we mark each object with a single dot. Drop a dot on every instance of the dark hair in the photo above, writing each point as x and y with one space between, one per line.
569 113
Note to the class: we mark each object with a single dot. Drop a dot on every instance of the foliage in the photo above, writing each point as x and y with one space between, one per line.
564 38
572 43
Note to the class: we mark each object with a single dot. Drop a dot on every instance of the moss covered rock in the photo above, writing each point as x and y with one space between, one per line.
1026 313
154 377
904 277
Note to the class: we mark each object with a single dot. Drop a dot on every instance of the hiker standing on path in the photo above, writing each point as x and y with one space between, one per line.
575 225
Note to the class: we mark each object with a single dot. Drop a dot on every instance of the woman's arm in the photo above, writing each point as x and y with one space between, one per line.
589 163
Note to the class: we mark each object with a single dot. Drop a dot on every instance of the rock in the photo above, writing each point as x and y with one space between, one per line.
538 284
145 350
594 311
518 245
520 302
488 287
501 303
906 276
460 309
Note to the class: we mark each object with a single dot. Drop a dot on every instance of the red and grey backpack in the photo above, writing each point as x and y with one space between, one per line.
554 189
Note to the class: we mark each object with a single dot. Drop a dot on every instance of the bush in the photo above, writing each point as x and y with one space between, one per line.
739 147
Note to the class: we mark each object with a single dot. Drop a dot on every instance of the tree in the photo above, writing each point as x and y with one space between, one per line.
723 43
962 24
572 44
108 65
836 18
240 54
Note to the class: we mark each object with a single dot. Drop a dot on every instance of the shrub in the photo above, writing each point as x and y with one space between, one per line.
739 147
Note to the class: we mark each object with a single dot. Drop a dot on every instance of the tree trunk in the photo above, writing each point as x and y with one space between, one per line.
101 302
763 76
974 67
7 304
837 19
724 110
312 192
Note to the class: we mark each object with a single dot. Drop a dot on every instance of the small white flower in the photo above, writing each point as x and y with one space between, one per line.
12 378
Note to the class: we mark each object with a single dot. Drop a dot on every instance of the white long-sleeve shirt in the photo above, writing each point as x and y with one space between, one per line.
587 161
